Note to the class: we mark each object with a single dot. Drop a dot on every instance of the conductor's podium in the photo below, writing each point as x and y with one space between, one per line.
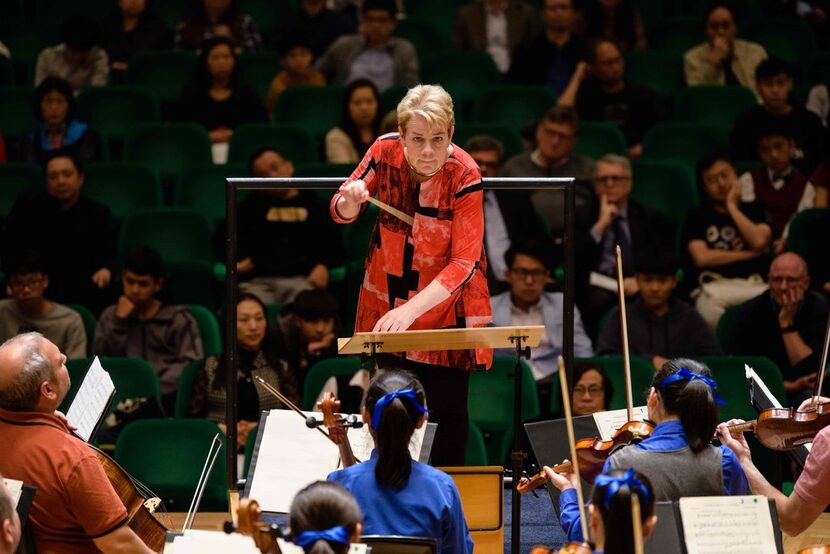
482 496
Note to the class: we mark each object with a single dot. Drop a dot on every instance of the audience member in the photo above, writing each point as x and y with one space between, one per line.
818 102
592 390
140 325
777 185
785 324
9 521
217 18
28 309
617 220
77 59
76 509
57 129
295 59
616 20
130 28
390 487
73 234
508 214
550 57
274 262
317 23
373 53
305 332
218 99
359 125
256 357
775 83
527 303
494 26
724 235
599 92
324 518
723 59
660 326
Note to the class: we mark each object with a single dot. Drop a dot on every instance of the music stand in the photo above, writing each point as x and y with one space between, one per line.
519 338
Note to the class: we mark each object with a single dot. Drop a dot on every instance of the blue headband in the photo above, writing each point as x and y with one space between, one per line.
383 401
685 375
614 484
333 534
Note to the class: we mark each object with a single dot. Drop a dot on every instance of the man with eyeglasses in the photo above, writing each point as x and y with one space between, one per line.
28 309
527 303
785 324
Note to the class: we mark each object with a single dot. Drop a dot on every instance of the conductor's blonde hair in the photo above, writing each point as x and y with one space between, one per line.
431 102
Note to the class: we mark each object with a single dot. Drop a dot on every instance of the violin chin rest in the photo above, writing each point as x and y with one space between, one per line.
152 503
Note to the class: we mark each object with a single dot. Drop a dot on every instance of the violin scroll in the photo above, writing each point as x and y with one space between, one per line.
249 523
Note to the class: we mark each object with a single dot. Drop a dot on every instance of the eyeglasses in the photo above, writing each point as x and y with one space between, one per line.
778 279
524 273
19 285
593 390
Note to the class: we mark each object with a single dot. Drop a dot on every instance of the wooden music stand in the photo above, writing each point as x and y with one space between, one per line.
520 339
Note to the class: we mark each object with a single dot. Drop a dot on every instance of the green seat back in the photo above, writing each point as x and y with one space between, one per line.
677 35
272 311
155 228
6 72
441 12
164 71
424 34
682 141
113 110
820 69
660 71
16 113
390 98
323 169
17 179
294 141
809 231
490 404
515 105
184 390
178 449
726 326
733 387
124 187
316 108
666 186
320 372
508 135
26 38
202 188
168 148
172 12
208 329
791 39
476 454
642 374
258 69
714 105
132 377
597 138
89 320
463 73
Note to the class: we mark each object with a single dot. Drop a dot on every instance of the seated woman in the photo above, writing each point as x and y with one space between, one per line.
609 514
215 18
257 358
131 27
324 518
218 99
360 125
57 129
398 495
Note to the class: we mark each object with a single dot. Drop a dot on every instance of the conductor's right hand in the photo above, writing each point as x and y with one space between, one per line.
354 193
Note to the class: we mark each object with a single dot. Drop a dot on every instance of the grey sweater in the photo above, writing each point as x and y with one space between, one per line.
61 325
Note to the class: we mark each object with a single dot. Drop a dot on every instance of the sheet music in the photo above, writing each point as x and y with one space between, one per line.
290 457
15 489
753 377
608 422
734 524
362 444
197 541
92 400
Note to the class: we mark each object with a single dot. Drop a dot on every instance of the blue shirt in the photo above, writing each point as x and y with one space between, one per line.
668 435
427 506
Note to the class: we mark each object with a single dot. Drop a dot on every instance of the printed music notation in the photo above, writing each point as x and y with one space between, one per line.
608 422
91 401
734 524
15 489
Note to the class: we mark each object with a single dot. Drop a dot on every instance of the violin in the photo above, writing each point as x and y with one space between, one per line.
816 549
337 427
527 484
249 522
569 548
140 508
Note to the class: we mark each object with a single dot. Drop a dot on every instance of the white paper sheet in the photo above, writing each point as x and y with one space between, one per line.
608 422
603 281
196 541
362 443
15 489
733 524
91 401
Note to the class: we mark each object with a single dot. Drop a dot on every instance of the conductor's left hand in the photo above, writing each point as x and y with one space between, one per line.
398 319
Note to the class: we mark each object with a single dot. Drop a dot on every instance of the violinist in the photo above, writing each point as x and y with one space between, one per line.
9 521
811 494
609 514
76 508
398 495
324 518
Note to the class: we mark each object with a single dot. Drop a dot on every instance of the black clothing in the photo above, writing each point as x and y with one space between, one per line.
73 244
149 34
242 106
634 109
680 333
318 31
538 61
805 125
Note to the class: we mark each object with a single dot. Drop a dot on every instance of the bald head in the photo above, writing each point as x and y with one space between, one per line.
9 521
28 379
788 278
791 262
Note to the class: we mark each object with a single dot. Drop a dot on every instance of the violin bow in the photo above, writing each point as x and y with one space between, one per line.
287 402
213 452
636 523
566 404
629 399
822 368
